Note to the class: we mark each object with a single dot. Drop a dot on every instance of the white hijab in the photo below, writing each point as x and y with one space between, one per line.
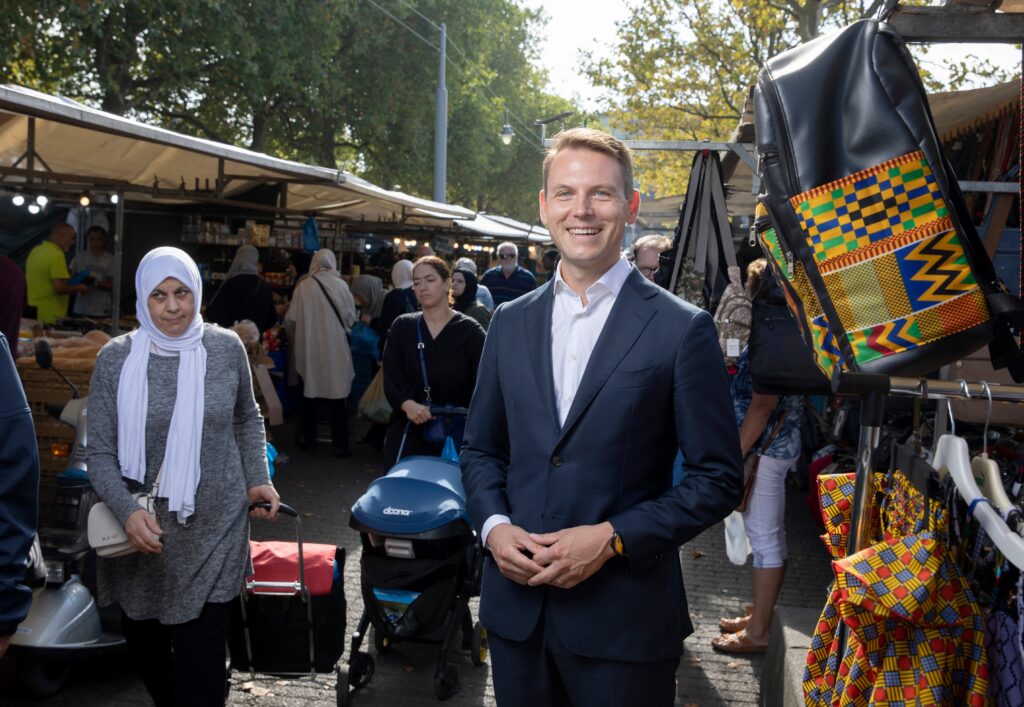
184 438
401 275
245 262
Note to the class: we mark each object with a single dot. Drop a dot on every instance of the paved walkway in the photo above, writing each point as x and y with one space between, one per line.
324 489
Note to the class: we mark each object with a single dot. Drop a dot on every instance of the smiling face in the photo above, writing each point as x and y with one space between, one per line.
430 288
458 284
586 210
171 307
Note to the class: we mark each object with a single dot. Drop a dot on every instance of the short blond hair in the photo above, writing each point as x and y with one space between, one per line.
654 241
598 141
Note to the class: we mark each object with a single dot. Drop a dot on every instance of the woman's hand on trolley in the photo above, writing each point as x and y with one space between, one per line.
417 414
264 493
144 532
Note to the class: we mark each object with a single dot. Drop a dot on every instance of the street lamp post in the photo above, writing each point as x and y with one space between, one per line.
507 133
441 125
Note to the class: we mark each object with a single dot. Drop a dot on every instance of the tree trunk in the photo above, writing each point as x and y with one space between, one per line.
260 128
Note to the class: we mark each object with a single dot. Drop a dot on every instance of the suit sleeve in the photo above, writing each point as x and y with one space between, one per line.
19 489
485 454
705 428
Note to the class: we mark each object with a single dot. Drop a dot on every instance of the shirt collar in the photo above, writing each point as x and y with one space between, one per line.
612 280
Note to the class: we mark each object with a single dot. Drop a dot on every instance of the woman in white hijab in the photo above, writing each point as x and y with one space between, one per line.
400 300
171 411
323 311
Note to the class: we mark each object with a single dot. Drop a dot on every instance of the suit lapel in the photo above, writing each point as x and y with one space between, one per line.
627 320
537 334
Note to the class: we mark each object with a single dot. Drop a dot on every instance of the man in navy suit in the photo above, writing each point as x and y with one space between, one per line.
587 388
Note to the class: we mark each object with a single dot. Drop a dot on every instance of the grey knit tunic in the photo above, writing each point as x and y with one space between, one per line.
204 560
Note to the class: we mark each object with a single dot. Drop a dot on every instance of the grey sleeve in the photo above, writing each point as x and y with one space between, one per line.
249 432
101 452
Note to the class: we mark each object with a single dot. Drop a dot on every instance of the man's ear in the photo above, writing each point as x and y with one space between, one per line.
543 207
634 207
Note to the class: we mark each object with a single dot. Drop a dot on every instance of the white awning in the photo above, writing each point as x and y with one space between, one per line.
76 146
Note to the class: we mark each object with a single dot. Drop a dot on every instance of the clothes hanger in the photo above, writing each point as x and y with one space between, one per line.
952 454
986 471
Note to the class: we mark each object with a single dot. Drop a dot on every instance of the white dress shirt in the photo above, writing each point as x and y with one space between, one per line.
575 328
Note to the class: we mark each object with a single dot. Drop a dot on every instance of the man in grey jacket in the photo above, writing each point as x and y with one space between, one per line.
19 497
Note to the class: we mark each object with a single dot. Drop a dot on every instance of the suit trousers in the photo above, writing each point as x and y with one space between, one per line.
182 665
542 672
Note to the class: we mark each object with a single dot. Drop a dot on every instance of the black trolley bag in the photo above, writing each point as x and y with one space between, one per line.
861 217
289 619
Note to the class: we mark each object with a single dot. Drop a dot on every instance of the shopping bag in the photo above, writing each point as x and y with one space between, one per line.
374 405
737 546
450 452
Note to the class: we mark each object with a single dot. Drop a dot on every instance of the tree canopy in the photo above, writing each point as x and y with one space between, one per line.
347 83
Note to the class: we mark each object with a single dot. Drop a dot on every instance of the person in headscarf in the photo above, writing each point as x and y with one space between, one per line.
172 412
369 293
464 287
323 312
400 300
482 293
244 294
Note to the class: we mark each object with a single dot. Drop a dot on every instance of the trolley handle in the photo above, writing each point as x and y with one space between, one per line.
288 511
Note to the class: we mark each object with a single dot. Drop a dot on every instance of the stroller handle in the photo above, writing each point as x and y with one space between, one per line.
448 410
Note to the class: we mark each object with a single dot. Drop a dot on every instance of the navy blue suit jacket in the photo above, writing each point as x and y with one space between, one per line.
655 383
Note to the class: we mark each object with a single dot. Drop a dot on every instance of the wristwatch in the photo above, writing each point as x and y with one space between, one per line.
616 544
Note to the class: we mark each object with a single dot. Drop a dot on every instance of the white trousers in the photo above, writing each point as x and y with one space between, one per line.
765 517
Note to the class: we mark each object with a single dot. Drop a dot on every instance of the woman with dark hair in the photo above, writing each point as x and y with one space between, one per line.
464 287
452 345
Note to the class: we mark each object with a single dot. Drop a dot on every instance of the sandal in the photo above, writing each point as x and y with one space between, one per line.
737 643
733 625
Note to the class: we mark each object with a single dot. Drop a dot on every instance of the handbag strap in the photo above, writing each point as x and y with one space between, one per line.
420 346
330 302
771 438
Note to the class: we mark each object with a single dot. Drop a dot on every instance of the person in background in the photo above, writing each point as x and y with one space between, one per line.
452 343
549 261
464 287
323 311
482 293
244 294
46 274
96 261
19 491
771 422
400 299
174 399
423 250
509 279
12 299
647 251
368 291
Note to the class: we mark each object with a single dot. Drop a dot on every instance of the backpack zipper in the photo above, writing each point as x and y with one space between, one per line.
771 94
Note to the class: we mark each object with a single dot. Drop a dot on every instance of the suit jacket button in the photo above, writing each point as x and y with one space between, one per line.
557 461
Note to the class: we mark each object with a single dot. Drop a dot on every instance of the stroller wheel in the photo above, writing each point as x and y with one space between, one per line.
361 670
341 689
446 683
381 643
478 651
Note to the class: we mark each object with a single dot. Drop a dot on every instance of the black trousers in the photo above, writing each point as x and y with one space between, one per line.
542 672
308 411
182 665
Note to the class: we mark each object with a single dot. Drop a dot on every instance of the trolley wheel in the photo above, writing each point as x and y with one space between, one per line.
381 643
341 689
478 651
446 683
361 670
40 677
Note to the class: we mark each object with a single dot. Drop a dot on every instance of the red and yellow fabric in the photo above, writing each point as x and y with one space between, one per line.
914 631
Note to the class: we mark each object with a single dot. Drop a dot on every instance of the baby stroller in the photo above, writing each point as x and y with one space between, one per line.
421 563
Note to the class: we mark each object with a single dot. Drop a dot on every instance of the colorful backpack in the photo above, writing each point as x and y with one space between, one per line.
862 219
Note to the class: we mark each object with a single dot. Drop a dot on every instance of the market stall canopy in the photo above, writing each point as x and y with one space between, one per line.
71 145
959 112
488 227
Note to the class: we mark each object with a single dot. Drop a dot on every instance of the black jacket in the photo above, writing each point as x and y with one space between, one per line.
19 493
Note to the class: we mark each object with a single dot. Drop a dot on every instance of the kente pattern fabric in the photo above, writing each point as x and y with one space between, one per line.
891 260
903 510
915 634
835 494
